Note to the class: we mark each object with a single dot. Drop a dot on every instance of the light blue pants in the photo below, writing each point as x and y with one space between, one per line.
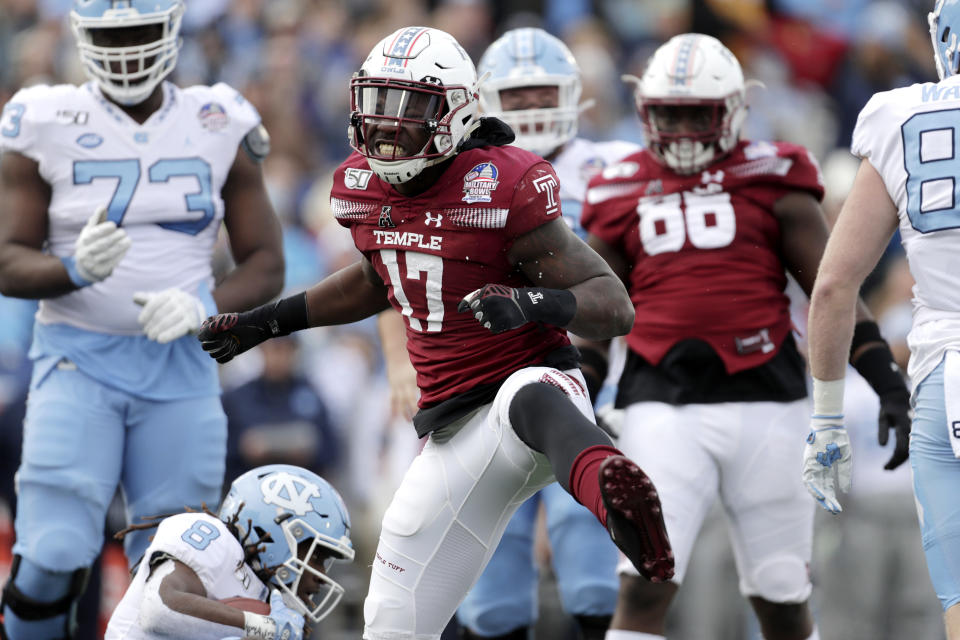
82 438
936 479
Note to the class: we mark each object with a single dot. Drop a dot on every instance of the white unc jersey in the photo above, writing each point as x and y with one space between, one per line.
576 164
161 181
911 136
203 543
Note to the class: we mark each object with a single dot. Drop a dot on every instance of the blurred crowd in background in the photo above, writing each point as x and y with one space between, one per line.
321 399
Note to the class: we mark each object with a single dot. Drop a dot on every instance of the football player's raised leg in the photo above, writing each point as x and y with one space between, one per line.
503 601
553 415
73 443
936 474
771 523
446 519
175 458
666 441
585 562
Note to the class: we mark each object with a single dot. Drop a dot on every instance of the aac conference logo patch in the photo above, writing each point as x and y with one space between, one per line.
480 182
213 117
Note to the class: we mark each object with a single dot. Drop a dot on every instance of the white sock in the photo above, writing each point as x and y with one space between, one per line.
620 634
815 635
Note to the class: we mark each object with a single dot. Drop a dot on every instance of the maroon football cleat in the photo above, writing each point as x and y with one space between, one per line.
635 519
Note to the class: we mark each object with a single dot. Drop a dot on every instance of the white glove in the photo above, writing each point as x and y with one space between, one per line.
169 314
100 246
827 451
289 622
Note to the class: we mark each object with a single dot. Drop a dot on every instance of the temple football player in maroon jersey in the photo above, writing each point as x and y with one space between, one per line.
463 235
703 226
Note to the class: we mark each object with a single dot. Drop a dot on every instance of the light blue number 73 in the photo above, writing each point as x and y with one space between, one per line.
127 174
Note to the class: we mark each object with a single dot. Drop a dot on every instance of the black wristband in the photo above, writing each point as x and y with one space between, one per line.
280 318
552 306
878 368
864 333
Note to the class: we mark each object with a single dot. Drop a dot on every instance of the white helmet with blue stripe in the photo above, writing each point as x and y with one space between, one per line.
292 515
691 71
944 23
531 57
417 78
129 71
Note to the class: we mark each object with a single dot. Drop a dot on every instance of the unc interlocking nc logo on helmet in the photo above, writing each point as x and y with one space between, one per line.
289 492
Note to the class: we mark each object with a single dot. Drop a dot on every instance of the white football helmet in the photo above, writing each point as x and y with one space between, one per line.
416 76
946 41
532 58
692 70
128 74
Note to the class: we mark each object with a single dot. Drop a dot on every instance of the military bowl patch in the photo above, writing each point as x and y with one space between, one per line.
213 117
480 182
592 167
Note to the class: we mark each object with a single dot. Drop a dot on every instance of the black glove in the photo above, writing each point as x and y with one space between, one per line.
228 334
501 308
878 368
895 414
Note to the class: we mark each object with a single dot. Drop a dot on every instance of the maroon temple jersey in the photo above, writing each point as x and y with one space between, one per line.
433 249
704 249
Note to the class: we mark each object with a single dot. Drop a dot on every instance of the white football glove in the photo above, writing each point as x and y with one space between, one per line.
169 314
282 623
289 622
827 452
100 246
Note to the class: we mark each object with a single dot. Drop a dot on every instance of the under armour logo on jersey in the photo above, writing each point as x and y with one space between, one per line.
433 218
289 492
535 297
708 177
385 219
547 184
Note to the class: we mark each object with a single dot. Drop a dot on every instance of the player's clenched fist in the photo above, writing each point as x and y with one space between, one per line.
501 308
228 334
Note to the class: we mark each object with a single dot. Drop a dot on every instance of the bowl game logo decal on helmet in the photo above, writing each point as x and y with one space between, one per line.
480 182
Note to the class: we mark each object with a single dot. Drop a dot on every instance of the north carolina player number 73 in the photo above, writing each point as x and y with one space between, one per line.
127 174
